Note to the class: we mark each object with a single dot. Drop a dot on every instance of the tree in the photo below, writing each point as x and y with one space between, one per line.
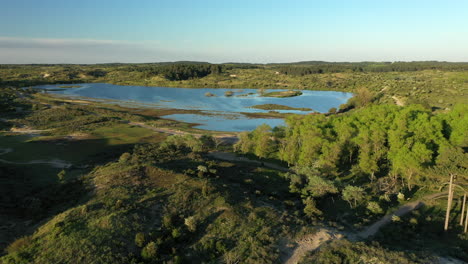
319 187
353 195
61 175
191 223
263 142
374 208
149 251
140 239
245 143
310 208
207 142
124 157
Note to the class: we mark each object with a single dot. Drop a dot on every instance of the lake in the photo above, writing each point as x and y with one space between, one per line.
224 111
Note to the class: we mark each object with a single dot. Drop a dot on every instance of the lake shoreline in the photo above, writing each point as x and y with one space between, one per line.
234 110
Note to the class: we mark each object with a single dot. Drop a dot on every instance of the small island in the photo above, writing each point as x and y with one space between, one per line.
282 94
208 94
279 107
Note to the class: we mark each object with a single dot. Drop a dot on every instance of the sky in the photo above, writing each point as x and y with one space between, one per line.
256 31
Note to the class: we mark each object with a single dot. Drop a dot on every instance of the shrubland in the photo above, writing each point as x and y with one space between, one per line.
135 196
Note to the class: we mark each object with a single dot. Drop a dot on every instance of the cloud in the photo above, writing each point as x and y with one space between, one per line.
49 50
9 42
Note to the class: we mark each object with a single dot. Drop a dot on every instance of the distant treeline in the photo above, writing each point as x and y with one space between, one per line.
301 69
186 71
179 72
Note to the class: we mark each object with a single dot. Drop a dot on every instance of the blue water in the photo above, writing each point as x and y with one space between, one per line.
195 99
220 123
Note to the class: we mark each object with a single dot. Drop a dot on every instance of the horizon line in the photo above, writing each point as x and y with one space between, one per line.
234 62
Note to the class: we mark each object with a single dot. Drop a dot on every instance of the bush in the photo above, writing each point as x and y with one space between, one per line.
125 157
19 244
374 208
149 251
191 223
140 239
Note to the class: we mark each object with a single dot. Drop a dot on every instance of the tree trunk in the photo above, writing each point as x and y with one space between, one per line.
466 220
372 177
410 175
449 204
463 210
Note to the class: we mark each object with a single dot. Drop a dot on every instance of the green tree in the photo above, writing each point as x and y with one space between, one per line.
353 195
262 137
245 143
374 208
61 176
318 187
140 239
149 251
310 208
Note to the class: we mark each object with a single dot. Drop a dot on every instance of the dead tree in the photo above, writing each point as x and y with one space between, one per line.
463 210
449 203
466 220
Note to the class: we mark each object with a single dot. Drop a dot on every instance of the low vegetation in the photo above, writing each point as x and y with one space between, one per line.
134 195
282 94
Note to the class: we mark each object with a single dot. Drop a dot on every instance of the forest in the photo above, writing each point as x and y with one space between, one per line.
385 150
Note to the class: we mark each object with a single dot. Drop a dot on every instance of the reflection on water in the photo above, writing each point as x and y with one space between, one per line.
196 99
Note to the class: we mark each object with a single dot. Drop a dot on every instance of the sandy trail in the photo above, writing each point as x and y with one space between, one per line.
311 243
55 163
398 101
26 130
316 240
401 211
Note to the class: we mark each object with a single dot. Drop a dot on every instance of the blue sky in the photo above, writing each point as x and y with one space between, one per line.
85 31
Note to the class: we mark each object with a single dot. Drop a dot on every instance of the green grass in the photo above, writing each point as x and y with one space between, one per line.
99 141
125 134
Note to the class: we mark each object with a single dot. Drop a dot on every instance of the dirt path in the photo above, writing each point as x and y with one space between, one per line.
55 163
27 131
374 228
398 101
316 240
401 211
225 138
228 156
310 243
